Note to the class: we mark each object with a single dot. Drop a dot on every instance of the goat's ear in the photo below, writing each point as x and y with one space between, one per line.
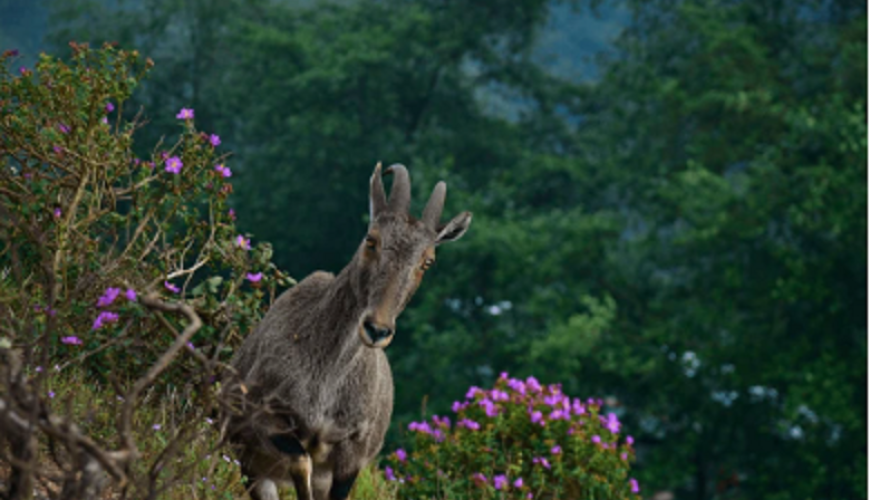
454 229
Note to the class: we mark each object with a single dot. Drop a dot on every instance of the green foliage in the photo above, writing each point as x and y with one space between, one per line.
519 440
686 235
88 219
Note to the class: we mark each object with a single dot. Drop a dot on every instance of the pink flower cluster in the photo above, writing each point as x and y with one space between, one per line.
543 405
533 394
500 482
223 170
436 429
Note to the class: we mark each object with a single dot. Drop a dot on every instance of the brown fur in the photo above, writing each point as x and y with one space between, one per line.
319 386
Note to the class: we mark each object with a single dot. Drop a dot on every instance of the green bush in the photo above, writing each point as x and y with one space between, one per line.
110 262
519 440
89 226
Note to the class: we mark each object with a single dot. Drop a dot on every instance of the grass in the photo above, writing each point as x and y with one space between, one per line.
201 470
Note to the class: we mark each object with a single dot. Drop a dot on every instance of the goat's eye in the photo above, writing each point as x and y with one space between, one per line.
427 264
371 242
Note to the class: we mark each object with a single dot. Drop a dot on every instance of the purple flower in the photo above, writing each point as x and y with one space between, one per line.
63 128
500 481
254 277
533 385
443 421
191 346
578 408
612 423
104 318
108 297
51 394
57 213
401 455
479 478
57 149
624 456
388 473
72 340
469 424
498 395
635 488
174 165
185 114
518 483
439 436
172 288
556 450
232 214
215 140
243 243
517 386
130 294
105 120
38 369
110 107
537 417
423 427
629 440
596 438
22 70
489 407
553 400
541 460
223 170
156 427
471 392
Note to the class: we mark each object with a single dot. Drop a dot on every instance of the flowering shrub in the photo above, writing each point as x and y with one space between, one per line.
519 440
92 228
114 268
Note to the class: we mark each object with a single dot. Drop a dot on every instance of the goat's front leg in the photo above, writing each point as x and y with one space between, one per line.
348 460
301 466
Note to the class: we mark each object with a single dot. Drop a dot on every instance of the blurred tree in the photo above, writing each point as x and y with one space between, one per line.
698 252
322 94
188 39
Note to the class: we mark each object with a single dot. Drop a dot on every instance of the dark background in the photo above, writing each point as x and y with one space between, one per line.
670 198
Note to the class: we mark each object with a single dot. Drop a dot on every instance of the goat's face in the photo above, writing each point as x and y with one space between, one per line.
397 251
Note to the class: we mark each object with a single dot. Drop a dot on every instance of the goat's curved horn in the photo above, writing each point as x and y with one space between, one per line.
400 194
377 198
432 212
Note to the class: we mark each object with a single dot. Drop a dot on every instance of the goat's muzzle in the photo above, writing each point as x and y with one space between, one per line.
374 335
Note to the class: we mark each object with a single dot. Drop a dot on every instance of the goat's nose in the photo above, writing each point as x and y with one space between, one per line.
375 332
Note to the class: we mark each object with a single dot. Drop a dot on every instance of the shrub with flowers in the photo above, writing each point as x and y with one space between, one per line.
117 268
90 228
519 440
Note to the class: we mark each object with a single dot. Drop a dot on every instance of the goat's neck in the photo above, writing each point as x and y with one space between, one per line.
342 309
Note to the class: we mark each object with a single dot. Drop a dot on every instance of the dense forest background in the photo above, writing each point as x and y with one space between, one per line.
670 198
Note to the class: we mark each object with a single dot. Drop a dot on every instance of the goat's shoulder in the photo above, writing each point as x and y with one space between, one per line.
295 304
311 288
